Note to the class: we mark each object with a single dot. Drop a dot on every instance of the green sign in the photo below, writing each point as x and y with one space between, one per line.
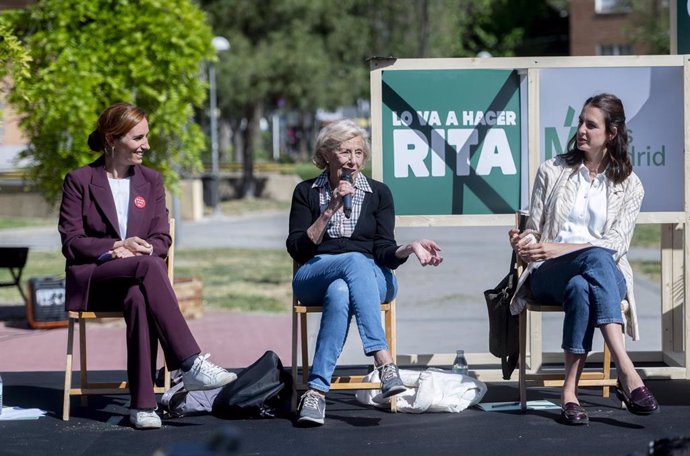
451 141
683 26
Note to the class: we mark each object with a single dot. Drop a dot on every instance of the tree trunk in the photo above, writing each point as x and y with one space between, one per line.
225 134
303 144
250 133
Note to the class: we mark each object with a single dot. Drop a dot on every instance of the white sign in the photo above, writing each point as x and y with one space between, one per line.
653 102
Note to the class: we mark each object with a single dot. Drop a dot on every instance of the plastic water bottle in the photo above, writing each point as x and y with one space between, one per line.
460 363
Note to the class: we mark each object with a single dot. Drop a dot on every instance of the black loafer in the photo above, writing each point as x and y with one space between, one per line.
574 414
640 401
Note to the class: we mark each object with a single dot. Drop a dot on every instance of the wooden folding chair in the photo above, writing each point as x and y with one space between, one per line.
91 388
537 376
300 336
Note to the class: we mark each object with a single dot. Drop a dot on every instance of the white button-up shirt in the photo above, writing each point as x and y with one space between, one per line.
120 190
588 217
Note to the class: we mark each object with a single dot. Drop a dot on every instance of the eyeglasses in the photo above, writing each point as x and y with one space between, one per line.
349 152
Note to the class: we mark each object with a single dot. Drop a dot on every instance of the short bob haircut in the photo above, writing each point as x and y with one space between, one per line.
114 123
332 136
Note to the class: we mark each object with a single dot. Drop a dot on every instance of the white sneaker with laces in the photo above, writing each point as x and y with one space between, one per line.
144 419
204 375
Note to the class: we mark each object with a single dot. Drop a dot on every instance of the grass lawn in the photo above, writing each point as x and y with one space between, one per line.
22 222
248 206
238 279
248 279
648 236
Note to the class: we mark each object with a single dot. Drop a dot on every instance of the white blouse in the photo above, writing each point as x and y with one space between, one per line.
120 191
587 219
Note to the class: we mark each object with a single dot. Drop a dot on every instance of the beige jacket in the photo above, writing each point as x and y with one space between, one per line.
553 198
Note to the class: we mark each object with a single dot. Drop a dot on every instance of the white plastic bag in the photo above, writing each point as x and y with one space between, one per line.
431 390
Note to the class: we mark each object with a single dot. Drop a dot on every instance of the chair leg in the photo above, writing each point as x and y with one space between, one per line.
305 347
68 371
294 361
607 369
17 277
522 381
83 370
389 318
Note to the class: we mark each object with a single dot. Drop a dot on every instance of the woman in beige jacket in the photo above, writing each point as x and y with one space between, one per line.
582 217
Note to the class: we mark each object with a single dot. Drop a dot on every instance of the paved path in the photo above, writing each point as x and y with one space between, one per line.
439 309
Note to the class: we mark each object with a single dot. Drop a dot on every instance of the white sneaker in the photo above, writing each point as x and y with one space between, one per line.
204 375
144 419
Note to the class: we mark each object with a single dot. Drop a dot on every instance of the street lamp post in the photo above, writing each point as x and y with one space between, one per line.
220 44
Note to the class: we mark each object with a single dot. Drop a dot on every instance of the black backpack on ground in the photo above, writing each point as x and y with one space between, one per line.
262 390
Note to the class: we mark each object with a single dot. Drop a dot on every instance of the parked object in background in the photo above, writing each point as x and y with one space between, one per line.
189 296
45 308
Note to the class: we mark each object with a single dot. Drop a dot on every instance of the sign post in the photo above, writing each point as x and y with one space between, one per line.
680 26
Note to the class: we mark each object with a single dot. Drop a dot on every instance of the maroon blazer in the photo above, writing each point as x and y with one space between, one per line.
88 222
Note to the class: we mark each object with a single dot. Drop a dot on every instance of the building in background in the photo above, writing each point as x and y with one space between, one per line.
11 138
12 141
597 27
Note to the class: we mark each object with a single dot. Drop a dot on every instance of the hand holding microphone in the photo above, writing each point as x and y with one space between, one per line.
346 176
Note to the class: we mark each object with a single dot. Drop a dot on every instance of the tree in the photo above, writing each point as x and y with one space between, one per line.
464 28
649 26
299 54
302 55
14 60
87 54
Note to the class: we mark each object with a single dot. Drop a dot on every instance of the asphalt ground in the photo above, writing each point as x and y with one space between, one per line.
440 309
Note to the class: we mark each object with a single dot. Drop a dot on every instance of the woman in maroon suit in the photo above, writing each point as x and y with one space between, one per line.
114 229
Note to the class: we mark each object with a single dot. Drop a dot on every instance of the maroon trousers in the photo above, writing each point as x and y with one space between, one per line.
139 287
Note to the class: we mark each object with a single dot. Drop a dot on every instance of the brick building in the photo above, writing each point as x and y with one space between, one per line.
597 28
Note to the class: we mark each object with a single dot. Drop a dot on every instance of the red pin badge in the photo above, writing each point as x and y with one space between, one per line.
140 202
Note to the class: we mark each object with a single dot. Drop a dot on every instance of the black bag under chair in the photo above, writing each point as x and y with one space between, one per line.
262 390
504 327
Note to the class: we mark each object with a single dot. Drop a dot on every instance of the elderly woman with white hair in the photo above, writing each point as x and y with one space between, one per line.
341 235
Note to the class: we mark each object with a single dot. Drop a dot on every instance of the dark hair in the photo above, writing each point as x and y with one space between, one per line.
619 165
114 123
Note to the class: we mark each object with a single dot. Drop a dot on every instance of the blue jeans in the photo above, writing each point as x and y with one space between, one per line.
589 286
345 284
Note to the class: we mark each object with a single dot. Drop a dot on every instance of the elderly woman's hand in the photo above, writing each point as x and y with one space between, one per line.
427 252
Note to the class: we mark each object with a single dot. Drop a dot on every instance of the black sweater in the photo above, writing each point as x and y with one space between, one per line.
373 234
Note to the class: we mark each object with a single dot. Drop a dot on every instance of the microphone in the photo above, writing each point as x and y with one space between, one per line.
347 199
